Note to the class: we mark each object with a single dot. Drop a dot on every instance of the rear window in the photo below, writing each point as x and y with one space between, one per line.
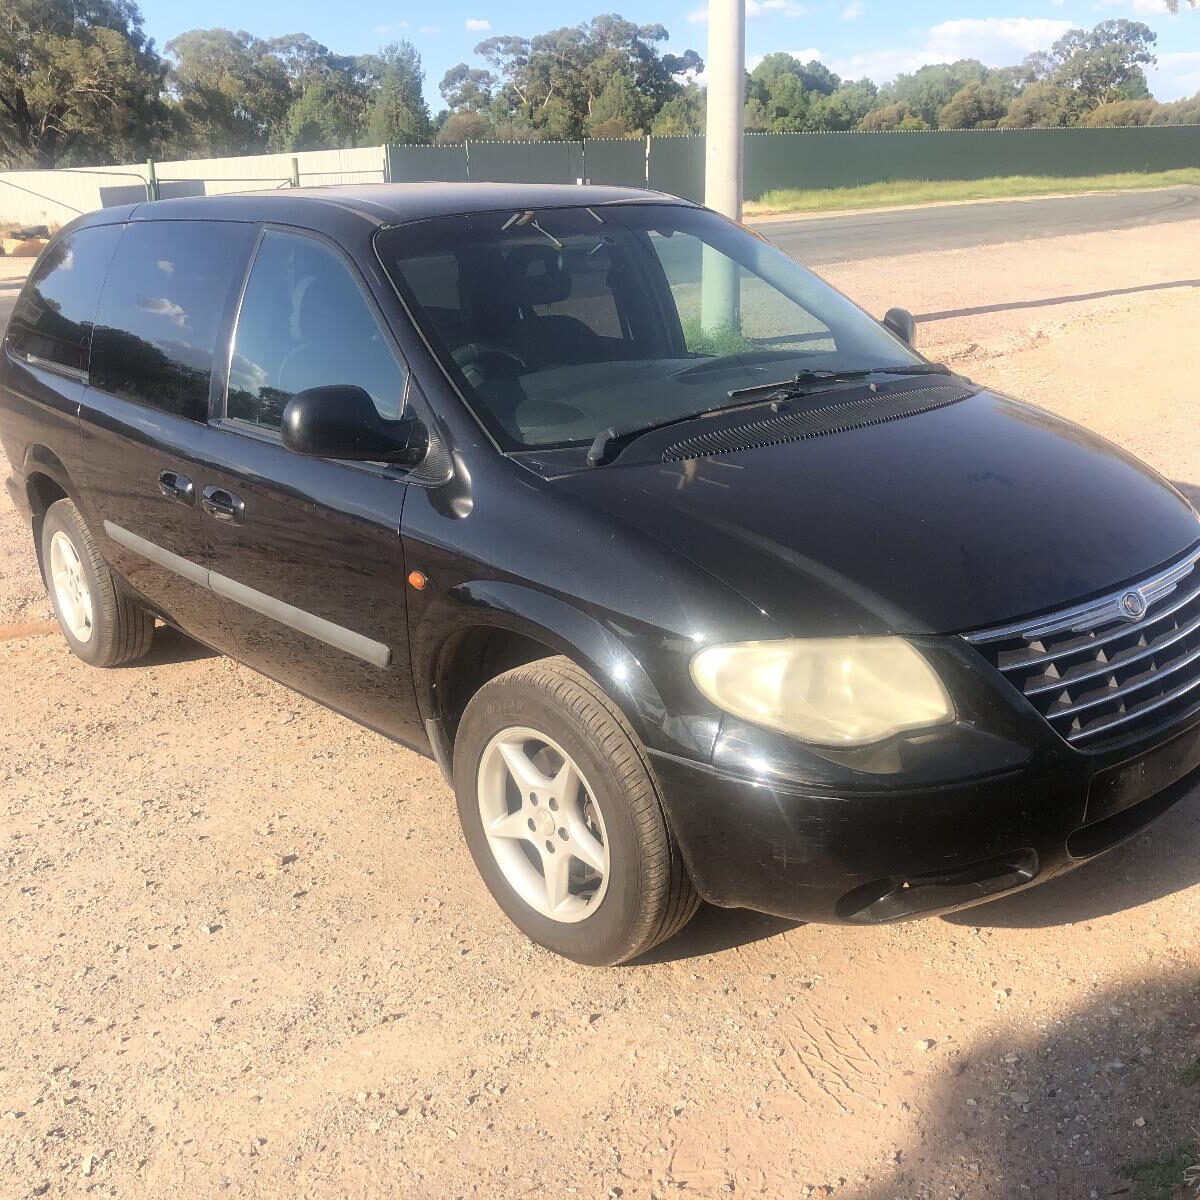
170 285
51 324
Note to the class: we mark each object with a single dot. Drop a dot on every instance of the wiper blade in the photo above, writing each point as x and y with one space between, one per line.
805 381
608 443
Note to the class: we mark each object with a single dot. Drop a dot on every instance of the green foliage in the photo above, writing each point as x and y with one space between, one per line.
723 340
615 111
398 113
682 114
79 80
1160 1178
976 106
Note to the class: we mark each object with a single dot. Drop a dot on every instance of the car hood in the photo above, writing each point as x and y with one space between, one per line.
972 515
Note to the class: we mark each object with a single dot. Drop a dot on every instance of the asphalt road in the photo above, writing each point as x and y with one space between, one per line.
951 227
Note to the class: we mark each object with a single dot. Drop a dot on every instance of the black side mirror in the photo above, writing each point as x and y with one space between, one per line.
342 422
902 323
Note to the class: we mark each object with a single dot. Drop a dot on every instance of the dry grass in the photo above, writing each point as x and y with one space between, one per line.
926 191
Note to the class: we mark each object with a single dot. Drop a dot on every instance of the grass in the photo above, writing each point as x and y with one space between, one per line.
1161 1178
1190 1075
927 191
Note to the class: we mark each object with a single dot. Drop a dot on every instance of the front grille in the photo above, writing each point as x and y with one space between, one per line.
1099 672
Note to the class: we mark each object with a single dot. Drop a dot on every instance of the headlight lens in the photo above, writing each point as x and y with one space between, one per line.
830 691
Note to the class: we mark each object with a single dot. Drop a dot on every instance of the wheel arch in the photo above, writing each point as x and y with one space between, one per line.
47 481
508 625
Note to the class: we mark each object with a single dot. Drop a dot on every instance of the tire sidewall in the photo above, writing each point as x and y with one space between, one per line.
601 936
60 519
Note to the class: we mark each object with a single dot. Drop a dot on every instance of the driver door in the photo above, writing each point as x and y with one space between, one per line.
306 552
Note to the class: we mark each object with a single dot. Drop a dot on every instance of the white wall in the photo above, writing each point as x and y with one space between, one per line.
60 196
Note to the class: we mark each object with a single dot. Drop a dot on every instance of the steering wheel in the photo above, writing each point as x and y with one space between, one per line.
473 358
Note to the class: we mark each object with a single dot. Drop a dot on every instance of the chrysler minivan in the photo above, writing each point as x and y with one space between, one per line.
697 581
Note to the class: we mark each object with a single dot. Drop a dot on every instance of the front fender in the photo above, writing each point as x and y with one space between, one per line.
615 659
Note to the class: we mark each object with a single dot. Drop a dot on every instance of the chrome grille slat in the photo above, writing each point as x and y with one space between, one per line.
1140 711
1098 672
1118 692
1116 664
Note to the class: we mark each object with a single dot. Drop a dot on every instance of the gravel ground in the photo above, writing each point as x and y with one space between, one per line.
187 1010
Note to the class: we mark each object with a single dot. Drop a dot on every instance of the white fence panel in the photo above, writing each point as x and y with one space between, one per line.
55 197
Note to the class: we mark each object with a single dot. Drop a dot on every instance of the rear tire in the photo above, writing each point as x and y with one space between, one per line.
563 817
102 625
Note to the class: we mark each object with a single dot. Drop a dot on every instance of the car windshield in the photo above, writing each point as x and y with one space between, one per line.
559 323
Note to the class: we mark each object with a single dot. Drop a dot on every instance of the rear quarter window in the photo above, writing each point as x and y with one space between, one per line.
52 321
169 289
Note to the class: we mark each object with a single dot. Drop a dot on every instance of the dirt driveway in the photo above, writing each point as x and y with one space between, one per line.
186 1013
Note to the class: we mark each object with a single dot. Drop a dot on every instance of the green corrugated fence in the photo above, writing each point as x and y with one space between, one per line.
809 160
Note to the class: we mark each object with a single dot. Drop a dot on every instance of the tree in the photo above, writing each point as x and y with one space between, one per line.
231 91
79 83
1117 113
682 114
461 127
845 107
925 92
327 115
398 112
1044 103
976 106
553 81
1105 63
615 111
892 116
467 89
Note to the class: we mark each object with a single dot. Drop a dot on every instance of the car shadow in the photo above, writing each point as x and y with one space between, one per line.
1158 862
171 646
1051 301
713 929
1190 490
1097 1100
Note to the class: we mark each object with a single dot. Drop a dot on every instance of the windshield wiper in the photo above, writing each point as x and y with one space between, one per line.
805 381
609 442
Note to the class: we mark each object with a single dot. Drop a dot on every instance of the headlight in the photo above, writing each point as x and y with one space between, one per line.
830 691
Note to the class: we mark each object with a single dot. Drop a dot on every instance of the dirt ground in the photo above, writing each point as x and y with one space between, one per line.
182 1016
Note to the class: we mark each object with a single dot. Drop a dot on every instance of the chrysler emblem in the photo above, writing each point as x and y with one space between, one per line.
1133 605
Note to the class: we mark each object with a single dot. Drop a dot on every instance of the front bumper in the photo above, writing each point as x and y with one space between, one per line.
866 857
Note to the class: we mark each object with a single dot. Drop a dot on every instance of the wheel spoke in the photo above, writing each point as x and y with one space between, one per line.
584 845
528 777
511 825
565 786
557 866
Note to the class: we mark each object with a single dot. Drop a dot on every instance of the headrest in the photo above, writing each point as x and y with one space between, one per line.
538 276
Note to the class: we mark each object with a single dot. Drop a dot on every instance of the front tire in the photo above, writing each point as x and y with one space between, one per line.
563 818
102 625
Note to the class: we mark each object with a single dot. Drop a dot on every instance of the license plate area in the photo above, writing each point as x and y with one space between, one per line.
1114 790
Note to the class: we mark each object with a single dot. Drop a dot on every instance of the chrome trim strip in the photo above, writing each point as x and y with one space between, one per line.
340 638
48 364
325 631
1114 664
1054 714
1103 639
191 571
1119 719
1087 616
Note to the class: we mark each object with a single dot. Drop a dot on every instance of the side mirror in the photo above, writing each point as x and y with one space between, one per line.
902 323
342 422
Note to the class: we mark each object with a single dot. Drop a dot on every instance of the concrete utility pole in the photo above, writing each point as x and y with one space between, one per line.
726 65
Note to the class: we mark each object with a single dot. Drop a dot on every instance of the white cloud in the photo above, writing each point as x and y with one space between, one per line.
853 10
1177 75
477 24
995 41
1147 8
430 29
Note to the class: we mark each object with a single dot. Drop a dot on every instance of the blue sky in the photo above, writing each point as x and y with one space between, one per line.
855 37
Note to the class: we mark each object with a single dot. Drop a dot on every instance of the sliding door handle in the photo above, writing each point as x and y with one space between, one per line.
222 505
177 487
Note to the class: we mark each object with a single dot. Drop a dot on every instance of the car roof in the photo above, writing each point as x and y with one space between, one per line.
380 203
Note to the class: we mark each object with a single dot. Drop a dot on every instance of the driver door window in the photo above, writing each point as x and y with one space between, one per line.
304 323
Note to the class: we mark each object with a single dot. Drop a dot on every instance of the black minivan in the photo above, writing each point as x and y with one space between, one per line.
696 580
